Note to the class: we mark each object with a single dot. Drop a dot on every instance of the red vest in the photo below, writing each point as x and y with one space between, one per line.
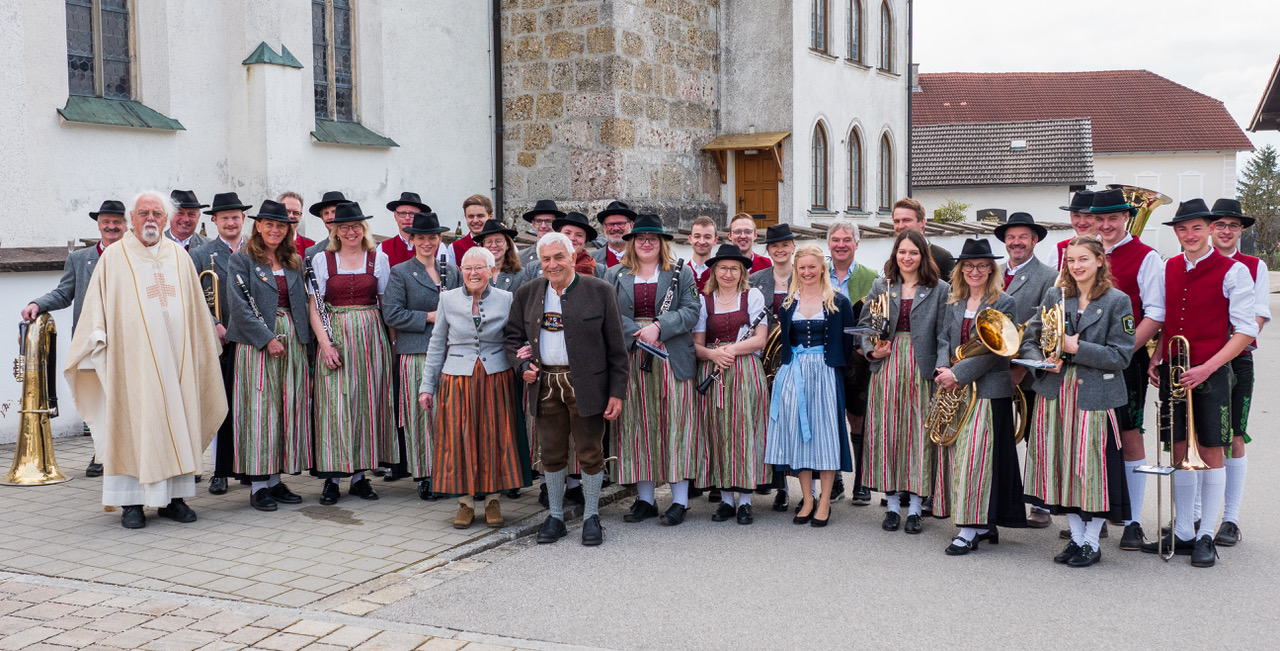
1194 305
460 246
351 289
1062 251
723 328
702 278
1126 260
303 244
610 258
759 262
397 251
1252 264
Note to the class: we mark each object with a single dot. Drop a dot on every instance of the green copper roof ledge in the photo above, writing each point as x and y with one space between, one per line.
264 54
349 133
116 112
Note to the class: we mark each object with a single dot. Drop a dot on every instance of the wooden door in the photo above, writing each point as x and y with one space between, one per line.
756 180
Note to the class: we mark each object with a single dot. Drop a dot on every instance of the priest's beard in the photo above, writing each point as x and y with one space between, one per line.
150 234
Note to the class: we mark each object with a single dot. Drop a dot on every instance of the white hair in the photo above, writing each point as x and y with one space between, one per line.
479 252
844 224
555 238
165 202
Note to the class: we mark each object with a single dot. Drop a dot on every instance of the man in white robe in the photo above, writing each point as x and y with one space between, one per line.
143 369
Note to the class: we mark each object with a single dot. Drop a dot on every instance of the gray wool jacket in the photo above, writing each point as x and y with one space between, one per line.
763 280
456 343
990 372
929 302
410 295
197 240
676 324
1106 329
1028 287
245 328
70 290
214 255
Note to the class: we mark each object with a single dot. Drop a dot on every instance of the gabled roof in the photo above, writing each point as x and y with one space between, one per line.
1051 152
1131 110
1267 116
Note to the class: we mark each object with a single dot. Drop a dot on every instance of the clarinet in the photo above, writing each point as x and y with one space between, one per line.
646 358
310 274
705 384
442 268
253 305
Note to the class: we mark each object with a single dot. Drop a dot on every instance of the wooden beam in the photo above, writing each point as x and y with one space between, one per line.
721 163
777 158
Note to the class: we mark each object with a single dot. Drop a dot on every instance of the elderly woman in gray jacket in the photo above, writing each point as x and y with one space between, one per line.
1074 463
981 483
478 428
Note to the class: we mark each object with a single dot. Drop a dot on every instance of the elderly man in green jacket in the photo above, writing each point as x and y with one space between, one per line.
854 281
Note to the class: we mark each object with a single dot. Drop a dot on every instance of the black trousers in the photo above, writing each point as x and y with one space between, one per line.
224 448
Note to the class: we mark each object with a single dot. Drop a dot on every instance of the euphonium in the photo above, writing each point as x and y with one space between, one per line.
772 357
36 368
878 308
950 408
211 292
1146 201
1179 356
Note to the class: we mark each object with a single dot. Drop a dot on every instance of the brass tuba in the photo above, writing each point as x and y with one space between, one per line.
1146 201
950 408
36 368
211 292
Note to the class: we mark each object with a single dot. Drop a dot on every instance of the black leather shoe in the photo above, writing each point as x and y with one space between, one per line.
575 495
744 514
330 493
94 468
513 494
815 522
891 521
913 524
837 488
992 536
1180 547
674 515
133 517
694 492
1085 557
713 495
395 474
178 511
1228 535
551 530
424 491
763 489
283 495
542 497
723 512
1194 525
861 496
379 471
641 511
780 501
218 486
1133 538
1205 553
262 500
592 532
959 546
363 490
926 506
1068 553
804 519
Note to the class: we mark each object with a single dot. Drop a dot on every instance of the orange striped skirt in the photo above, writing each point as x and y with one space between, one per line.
474 446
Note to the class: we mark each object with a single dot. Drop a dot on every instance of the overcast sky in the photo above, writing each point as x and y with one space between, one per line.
1223 48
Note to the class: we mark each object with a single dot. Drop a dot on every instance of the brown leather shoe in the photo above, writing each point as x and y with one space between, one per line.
1039 519
464 518
493 514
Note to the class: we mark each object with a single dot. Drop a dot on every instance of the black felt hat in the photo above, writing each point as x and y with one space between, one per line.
109 207
493 226
349 211
1189 210
1109 201
330 198
975 249
648 224
426 223
1231 208
543 207
778 233
226 201
729 252
575 219
409 199
1080 201
1021 219
274 211
186 199
616 208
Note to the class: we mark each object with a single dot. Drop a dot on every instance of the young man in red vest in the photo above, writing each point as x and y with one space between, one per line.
1209 301
476 210
1081 222
1139 272
742 231
1228 223
702 237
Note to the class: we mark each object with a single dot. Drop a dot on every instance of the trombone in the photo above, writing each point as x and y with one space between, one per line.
211 292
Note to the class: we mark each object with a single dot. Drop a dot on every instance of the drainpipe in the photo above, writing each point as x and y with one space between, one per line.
497 110
910 83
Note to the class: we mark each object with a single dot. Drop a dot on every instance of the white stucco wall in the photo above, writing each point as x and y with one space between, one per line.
422 79
1042 202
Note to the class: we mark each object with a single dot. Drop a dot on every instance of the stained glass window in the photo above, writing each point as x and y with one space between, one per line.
320 57
334 64
116 77
819 167
80 47
855 30
99 61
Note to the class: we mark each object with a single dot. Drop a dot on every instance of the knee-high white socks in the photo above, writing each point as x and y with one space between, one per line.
1184 497
1085 532
644 491
680 492
1137 489
1237 470
1213 491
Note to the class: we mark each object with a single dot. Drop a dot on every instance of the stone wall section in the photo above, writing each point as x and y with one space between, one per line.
611 99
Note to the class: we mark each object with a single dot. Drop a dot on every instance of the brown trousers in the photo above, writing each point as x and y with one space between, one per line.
558 421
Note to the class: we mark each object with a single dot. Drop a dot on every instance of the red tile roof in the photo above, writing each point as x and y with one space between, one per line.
1131 110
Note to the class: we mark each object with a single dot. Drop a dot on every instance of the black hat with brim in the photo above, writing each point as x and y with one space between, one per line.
575 219
330 198
186 199
1021 219
648 224
543 207
977 249
1189 210
1232 208
109 207
274 211
409 199
349 211
1080 202
492 227
426 223
226 201
778 233
729 252
616 208
1109 201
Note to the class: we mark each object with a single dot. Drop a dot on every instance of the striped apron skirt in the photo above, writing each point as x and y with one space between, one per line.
414 422
1074 464
658 437
735 414
272 407
355 428
978 481
899 455
805 414
477 434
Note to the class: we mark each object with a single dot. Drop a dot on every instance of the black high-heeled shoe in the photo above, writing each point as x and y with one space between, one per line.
815 522
964 547
992 536
804 519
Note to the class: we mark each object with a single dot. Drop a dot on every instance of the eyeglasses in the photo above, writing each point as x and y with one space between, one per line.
472 269
401 213
1228 226
970 267
344 228
294 213
149 213
742 231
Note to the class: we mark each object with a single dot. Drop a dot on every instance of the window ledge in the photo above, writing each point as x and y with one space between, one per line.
888 73
116 113
856 63
349 133
856 212
823 211
823 54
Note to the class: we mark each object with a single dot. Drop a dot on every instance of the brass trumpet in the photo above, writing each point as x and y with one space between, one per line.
211 292
950 408
36 368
